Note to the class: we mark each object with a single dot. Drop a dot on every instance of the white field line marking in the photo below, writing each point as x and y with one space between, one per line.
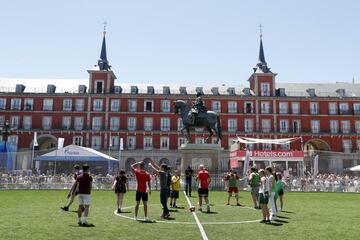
186 223
201 228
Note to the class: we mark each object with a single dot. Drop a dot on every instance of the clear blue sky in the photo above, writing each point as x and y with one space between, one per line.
164 41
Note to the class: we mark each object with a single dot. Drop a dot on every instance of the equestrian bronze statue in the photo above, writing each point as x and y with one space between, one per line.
198 116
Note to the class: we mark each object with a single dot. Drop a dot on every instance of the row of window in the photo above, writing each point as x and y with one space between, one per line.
285 125
98 106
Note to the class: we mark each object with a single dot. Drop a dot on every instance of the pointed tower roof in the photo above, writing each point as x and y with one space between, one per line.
261 66
103 63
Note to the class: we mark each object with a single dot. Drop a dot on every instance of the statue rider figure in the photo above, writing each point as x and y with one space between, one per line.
197 108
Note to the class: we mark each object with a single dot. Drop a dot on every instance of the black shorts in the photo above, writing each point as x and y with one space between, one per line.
203 192
281 192
174 194
120 190
141 195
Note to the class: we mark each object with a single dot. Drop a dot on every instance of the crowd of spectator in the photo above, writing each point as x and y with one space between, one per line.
320 183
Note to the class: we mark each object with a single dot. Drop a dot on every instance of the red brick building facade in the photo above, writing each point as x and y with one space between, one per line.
326 116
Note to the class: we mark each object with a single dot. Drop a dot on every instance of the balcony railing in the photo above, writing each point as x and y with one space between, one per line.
356 111
283 111
344 111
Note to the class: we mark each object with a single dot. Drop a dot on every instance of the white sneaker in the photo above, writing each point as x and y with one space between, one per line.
146 219
279 210
135 218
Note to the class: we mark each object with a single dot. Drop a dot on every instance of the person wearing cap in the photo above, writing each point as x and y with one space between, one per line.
204 180
162 172
84 182
73 190
120 186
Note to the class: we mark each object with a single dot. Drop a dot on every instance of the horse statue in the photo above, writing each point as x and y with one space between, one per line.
209 120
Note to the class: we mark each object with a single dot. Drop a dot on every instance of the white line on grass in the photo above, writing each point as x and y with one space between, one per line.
201 228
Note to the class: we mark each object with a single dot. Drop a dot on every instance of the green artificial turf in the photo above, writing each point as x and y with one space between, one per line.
37 215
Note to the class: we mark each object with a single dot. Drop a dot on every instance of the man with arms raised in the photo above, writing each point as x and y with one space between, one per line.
204 180
84 182
142 178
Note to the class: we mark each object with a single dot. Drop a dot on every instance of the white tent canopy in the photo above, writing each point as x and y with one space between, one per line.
75 153
279 141
355 169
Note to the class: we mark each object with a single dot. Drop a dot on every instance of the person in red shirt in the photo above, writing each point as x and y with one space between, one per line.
142 178
204 180
84 184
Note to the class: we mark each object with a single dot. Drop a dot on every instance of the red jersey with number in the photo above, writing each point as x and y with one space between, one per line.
142 177
203 177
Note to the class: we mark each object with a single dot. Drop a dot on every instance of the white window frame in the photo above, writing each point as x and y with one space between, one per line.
164 143
344 108
251 107
345 126
15 104
48 104
181 140
314 108
357 127
283 126
2 103
98 105
79 123
216 106
96 142
334 126
199 140
148 143
114 123
232 125
115 105
180 124
96 123
114 143
80 104
28 104
148 124
265 90
77 140
131 142
298 129
132 105
95 86
66 122
266 125
356 107
152 106
295 108
165 105
248 125
14 122
165 124
46 122
67 104
27 122
265 107
332 108
315 126
347 145
131 123
232 107
283 107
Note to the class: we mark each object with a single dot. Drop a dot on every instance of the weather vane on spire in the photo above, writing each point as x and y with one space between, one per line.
104 27
261 32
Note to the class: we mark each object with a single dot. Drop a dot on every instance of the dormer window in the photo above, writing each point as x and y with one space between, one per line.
99 86
265 89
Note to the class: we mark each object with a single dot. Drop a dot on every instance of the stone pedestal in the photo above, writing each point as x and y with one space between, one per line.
195 154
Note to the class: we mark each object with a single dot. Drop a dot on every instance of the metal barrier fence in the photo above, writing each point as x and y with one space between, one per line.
217 184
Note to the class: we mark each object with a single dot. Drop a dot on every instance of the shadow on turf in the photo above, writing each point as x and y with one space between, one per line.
275 224
283 217
281 221
209 212
287 212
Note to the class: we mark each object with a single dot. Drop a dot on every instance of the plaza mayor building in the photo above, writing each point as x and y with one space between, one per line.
103 113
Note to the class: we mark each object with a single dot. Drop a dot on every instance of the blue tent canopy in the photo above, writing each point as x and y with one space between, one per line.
75 153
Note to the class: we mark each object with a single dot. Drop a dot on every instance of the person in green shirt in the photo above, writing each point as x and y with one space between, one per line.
279 190
254 182
231 184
